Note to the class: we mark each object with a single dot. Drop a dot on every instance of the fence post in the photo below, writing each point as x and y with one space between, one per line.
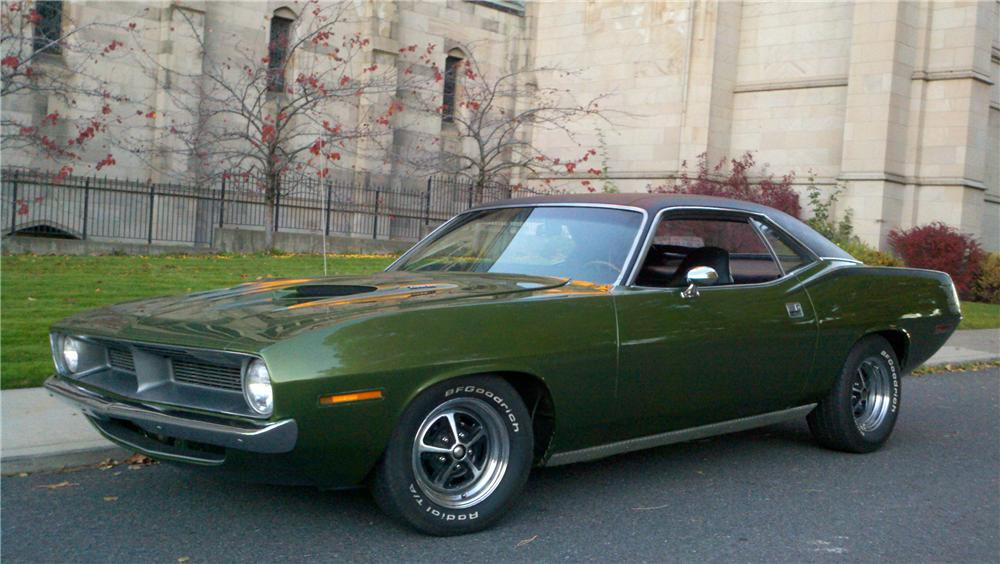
375 219
152 196
277 206
427 202
470 195
222 202
13 207
86 206
326 228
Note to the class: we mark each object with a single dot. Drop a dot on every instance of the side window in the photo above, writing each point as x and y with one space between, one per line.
789 253
730 245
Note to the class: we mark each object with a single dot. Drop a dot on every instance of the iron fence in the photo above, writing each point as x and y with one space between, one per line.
359 205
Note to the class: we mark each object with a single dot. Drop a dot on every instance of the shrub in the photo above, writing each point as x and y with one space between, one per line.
987 286
736 184
868 255
822 220
940 247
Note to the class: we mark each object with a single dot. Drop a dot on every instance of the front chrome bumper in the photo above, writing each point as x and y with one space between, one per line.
271 438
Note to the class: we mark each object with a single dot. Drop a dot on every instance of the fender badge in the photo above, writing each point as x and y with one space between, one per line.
795 310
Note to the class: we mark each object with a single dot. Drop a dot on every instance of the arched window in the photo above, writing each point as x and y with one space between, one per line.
48 27
451 65
277 48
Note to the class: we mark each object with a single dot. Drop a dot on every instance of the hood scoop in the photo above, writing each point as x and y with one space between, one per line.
319 291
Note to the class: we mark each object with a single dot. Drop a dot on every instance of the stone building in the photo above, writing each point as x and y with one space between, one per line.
899 102
896 102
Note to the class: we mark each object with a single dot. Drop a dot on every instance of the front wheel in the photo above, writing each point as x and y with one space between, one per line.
459 456
860 411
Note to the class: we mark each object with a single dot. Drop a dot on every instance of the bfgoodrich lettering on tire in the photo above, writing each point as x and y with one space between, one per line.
860 411
459 456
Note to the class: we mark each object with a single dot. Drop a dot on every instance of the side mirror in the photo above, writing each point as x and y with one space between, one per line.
699 276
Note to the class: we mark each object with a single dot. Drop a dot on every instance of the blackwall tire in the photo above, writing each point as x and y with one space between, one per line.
458 458
860 411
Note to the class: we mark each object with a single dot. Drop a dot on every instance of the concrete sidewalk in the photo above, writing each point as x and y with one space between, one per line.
40 432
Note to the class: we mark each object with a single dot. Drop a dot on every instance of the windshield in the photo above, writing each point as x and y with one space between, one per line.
580 243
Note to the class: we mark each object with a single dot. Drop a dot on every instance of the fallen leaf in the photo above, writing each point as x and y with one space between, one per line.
110 498
59 486
526 541
30 299
23 475
184 559
138 459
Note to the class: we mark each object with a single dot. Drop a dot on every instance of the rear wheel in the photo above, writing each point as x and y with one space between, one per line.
459 456
860 411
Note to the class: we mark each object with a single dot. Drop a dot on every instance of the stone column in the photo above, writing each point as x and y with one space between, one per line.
708 102
876 116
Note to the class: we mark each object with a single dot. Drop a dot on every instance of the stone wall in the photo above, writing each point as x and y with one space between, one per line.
898 103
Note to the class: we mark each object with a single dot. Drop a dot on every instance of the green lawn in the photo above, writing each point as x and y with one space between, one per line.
38 290
980 316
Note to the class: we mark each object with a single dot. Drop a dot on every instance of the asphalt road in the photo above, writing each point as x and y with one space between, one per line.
933 494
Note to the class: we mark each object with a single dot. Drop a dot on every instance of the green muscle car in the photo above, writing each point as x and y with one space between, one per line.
533 332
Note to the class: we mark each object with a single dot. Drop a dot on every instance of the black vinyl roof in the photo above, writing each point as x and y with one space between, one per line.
653 203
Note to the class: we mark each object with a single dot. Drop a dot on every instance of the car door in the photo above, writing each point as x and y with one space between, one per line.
737 349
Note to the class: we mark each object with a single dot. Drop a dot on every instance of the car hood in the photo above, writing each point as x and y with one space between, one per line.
252 315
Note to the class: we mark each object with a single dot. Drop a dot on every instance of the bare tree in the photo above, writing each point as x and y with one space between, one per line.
55 104
271 111
491 123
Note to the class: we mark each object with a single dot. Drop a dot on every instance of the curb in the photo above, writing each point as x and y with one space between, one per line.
964 360
50 462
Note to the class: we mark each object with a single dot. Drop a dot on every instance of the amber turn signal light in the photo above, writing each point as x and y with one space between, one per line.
354 396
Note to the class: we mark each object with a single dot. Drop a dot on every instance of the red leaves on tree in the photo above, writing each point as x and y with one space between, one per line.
27 130
131 25
112 46
151 115
51 119
10 61
408 48
34 17
570 167
317 147
106 161
344 80
737 184
594 171
333 156
331 130
106 109
268 133
65 171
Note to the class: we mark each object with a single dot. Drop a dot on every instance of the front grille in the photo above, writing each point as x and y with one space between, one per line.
189 371
121 359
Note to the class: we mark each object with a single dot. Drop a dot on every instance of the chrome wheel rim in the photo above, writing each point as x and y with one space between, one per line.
871 394
460 453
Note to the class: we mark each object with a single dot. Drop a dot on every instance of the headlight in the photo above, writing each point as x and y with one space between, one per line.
257 388
71 350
